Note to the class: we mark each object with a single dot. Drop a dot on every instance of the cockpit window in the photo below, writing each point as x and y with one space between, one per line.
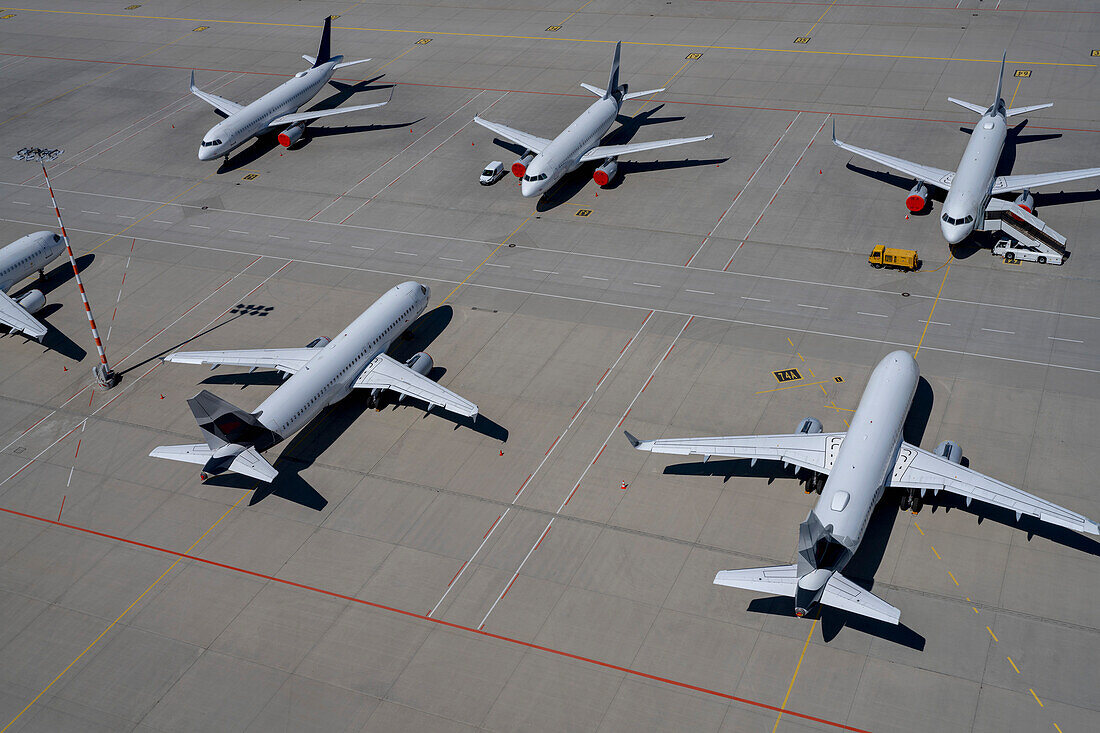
56 238
539 177
208 143
963 220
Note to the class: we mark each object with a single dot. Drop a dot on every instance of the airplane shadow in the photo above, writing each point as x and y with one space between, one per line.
170 349
893 179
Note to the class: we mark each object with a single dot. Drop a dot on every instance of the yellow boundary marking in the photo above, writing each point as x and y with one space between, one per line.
143 593
953 577
936 553
544 38
821 18
478 267
1014 93
1013 664
575 12
992 634
1036 698
166 203
793 678
935 302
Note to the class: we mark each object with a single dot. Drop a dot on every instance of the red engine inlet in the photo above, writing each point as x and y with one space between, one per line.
605 173
520 166
291 135
917 198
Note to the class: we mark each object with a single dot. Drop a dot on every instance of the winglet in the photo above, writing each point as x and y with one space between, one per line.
634 442
323 52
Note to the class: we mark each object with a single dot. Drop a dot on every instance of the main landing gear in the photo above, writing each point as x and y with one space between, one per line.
912 500
815 483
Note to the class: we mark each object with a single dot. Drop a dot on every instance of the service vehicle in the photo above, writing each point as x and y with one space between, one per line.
901 259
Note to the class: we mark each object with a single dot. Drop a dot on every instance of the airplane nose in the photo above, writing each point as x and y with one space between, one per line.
953 233
204 153
527 189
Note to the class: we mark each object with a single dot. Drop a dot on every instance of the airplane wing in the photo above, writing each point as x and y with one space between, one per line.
815 451
18 319
609 151
519 137
285 360
919 469
937 177
219 103
1020 183
387 373
316 114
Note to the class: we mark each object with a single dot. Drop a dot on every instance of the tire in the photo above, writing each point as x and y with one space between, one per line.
919 264
876 265
1042 260
1010 256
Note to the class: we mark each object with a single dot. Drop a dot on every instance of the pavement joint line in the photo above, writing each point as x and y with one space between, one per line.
555 251
591 463
628 306
946 272
796 668
774 195
546 457
736 197
180 557
541 38
835 113
438 622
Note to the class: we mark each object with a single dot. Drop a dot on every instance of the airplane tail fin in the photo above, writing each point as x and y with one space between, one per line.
1000 81
222 424
613 79
839 592
324 52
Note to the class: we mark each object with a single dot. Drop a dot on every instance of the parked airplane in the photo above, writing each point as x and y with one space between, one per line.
276 108
19 260
971 187
851 471
324 372
546 161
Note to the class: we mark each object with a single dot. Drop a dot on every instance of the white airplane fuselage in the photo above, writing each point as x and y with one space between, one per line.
563 154
329 376
863 464
972 185
27 255
252 120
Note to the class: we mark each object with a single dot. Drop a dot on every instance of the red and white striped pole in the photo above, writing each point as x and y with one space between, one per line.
105 378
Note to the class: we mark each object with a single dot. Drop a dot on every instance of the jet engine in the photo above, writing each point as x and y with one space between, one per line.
816 481
318 343
520 166
292 134
32 301
917 198
606 172
1026 201
420 363
950 450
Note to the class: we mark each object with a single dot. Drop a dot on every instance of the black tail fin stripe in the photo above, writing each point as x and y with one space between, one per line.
324 53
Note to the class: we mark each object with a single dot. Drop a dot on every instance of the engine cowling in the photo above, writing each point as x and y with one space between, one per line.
606 173
950 450
809 426
318 343
32 301
292 134
1026 202
520 166
420 363
917 198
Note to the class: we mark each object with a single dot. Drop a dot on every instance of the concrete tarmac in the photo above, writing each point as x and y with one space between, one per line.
413 571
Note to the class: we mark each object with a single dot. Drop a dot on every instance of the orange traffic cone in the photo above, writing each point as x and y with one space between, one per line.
162 396
624 485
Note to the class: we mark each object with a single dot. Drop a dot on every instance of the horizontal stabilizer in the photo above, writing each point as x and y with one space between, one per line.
342 64
311 59
198 453
780 580
847 596
595 89
637 95
976 108
250 463
1025 110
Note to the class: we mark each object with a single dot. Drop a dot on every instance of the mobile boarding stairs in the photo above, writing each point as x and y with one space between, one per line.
1026 237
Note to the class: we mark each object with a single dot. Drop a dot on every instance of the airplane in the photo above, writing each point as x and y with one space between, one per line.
276 108
973 184
546 161
321 373
17 261
851 471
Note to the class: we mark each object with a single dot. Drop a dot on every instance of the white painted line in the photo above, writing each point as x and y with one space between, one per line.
121 216
236 231
407 254
358 247
817 307
875 315
591 277
21 203
198 226
762 300
312 241
1072 341
648 285
277 236
701 292
934 323
547 272
490 264
450 259
997 330
163 221
82 211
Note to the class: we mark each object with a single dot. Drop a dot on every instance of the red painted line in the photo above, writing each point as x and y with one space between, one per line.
649 380
440 622
552 446
524 483
491 528
580 408
77 447
571 494
601 451
124 277
115 313
670 348
90 396
605 371
61 509
448 584
510 585
536 547
621 419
